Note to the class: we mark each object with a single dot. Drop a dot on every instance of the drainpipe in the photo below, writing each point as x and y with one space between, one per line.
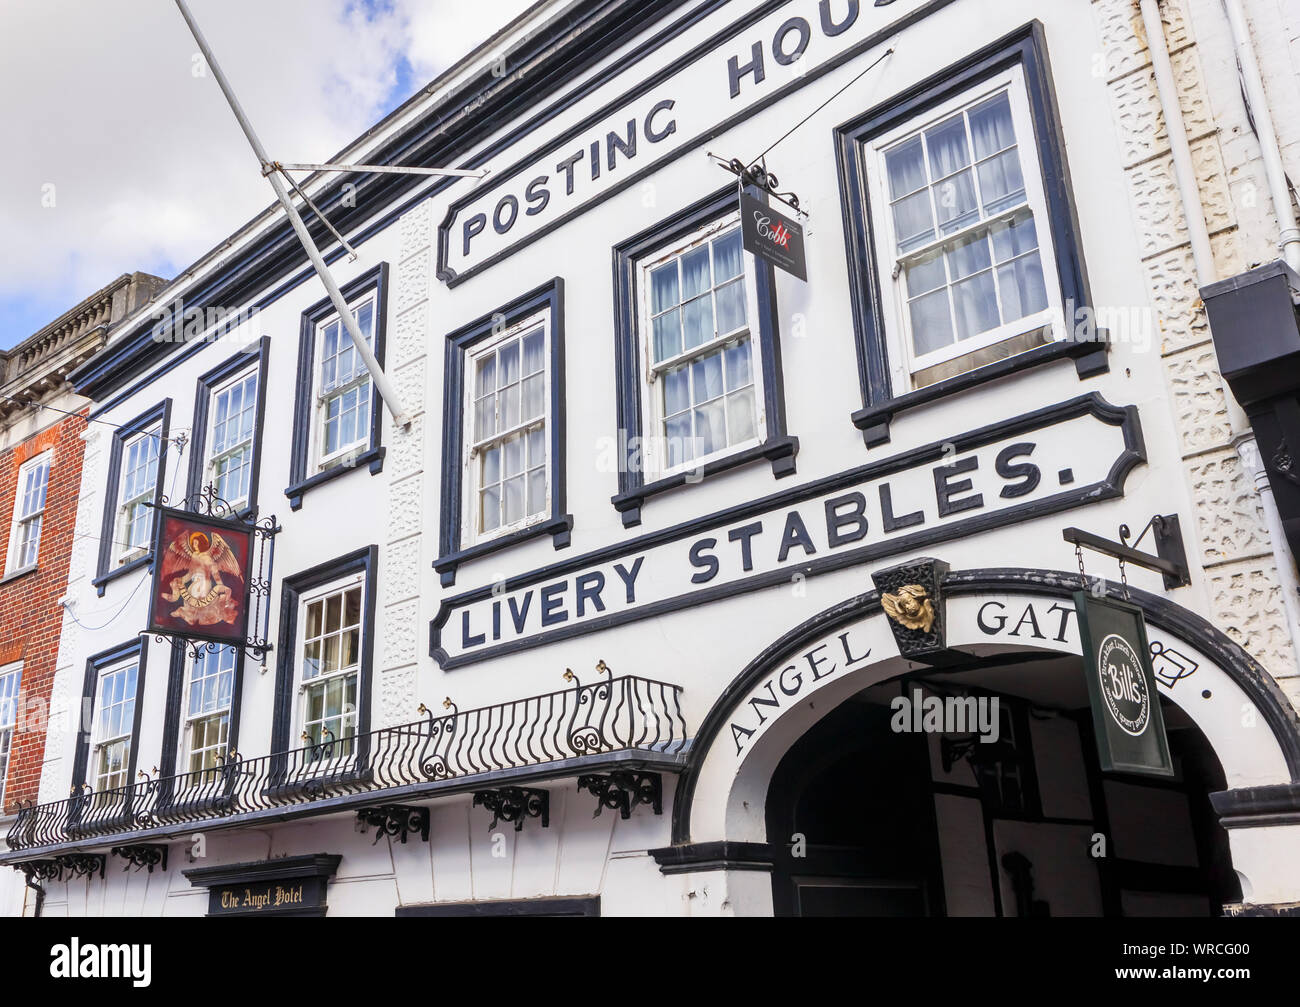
1257 101
40 894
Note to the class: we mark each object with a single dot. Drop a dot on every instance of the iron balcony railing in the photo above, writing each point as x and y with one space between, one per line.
609 715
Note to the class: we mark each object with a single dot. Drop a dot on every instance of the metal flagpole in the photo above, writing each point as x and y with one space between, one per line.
382 384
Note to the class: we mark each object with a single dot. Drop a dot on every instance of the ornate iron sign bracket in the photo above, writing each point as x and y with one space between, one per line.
398 820
514 804
142 856
623 790
257 643
1170 559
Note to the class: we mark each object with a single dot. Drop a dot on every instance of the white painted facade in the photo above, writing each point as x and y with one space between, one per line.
1132 243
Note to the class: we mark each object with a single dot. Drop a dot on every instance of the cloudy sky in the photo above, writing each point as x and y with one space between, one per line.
121 158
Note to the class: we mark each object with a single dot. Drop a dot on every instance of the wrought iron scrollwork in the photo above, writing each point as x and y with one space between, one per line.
41 870
82 865
514 804
142 856
623 790
395 820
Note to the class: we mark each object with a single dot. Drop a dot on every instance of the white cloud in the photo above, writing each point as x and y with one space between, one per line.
148 165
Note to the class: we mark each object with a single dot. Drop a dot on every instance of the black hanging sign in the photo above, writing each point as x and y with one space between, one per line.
1129 727
772 236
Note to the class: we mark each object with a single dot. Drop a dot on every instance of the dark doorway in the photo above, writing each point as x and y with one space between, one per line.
870 821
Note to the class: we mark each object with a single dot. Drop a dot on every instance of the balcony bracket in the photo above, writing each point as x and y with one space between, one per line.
514 804
82 865
398 820
623 790
142 856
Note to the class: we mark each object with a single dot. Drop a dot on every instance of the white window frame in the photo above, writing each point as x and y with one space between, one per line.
99 739
654 436
320 396
21 520
209 458
906 362
303 685
188 719
472 449
11 683
123 552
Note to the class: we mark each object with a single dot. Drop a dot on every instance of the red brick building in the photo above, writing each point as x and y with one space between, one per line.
41 421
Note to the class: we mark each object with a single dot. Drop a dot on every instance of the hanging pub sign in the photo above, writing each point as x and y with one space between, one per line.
201 578
1126 716
772 236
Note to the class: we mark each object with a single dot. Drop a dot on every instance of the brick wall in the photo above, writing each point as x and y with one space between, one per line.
30 616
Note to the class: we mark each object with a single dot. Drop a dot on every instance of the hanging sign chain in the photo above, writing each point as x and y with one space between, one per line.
1083 577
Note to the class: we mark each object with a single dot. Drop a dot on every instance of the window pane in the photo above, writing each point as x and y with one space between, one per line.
677 391
490 513
926 274
1023 290
697 321
912 221
1014 237
330 660
509 372
1001 183
485 417
514 456
738 368
955 202
711 427
536 447
352 607
509 400
991 127
695 272
486 379
663 288
731 306
970 255
931 323
314 611
537 491
905 166
534 358
668 335
706 376
680 446
311 660
947 145
976 303
534 396
333 612
514 499
492 465
728 258
740 416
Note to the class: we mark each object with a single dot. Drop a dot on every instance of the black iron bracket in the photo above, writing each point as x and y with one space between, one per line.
142 856
758 176
398 820
624 790
514 804
82 865
41 870
1170 559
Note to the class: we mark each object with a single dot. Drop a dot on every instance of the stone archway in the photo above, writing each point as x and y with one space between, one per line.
798 679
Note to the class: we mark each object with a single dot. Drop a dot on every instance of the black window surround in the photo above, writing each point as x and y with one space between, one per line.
363 561
244 360
548 297
304 410
123 653
778 447
182 660
1026 47
160 415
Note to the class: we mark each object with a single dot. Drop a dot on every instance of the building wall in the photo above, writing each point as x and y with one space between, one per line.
29 604
1131 240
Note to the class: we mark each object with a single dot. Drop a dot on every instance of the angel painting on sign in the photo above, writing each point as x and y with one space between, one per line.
191 568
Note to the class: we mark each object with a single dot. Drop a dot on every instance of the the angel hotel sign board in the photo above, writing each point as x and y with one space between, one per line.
200 584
